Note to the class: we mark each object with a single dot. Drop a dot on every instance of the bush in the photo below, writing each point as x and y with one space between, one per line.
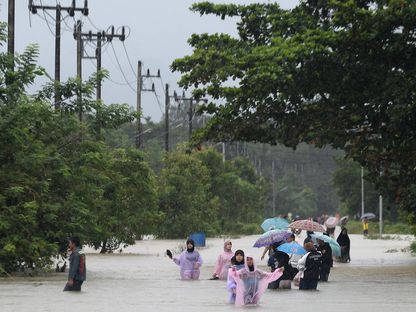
356 227
413 247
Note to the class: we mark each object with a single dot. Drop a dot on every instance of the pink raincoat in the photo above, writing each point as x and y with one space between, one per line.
190 262
223 263
251 285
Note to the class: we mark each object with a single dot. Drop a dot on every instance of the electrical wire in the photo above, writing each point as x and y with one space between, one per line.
128 59
121 70
158 102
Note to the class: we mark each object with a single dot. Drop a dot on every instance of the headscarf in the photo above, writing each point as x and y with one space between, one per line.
234 259
190 241
225 244
252 267
343 239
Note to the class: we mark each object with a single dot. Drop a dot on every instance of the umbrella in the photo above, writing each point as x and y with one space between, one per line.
336 248
270 237
331 222
292 248
343 221
368 215
307 225
274 224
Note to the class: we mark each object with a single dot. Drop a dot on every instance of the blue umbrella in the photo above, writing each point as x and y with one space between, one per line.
274 224
292 248
336 248
270 237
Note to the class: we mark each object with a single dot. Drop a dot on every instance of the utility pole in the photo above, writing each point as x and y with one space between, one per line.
167 104
58 9
191 109
139 90
380 204
98 37
10 30
98 56
273 190
362 191
90 36
79 66
191 104
139 104
57 57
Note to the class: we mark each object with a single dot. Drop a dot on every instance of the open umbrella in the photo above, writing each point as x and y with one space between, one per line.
331 222
368 215
274 224
336 248
270 237
343 221
292 248
307 225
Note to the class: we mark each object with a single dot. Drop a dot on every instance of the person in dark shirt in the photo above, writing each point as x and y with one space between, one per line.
344 241
77 267
277 260
326 252
309 266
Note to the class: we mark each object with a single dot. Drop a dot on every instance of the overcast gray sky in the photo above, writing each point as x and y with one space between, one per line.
159 33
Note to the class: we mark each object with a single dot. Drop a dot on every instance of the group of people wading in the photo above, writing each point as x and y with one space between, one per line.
246 283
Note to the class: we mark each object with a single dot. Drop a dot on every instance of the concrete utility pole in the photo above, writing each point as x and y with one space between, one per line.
273 190
58 9
191 115
362 191
139 91
139 104
98 37
191 109
10 30
167 105
79 65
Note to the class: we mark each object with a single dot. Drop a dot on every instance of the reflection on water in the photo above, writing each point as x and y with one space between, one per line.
146 280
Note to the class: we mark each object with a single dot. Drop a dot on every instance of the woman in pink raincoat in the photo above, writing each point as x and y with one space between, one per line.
223 262
189 260
251 282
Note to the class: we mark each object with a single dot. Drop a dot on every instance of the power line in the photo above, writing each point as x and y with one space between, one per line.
128 59
121 70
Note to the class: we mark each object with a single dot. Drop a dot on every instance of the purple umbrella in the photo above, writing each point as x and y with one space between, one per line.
271 237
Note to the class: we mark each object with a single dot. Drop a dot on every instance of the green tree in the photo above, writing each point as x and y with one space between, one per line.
338 73
184 197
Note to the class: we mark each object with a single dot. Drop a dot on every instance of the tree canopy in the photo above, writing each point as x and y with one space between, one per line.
328 72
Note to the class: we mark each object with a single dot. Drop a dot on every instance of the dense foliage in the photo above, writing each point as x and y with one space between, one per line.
57 178
328 72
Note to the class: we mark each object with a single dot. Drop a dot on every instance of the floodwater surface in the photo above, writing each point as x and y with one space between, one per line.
381 277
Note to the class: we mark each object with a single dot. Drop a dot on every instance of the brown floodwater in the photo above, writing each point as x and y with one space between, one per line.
142 278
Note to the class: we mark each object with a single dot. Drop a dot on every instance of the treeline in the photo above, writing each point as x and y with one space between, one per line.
61 174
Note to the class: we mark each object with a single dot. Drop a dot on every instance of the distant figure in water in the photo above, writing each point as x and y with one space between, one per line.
223 262
251 282
344 242
189 260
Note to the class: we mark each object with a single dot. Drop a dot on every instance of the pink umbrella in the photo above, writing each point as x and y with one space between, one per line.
331 222
307 225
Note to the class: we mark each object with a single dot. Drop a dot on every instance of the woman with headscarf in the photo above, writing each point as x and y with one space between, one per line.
344 242
189 260
237 263
251 282
223 262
